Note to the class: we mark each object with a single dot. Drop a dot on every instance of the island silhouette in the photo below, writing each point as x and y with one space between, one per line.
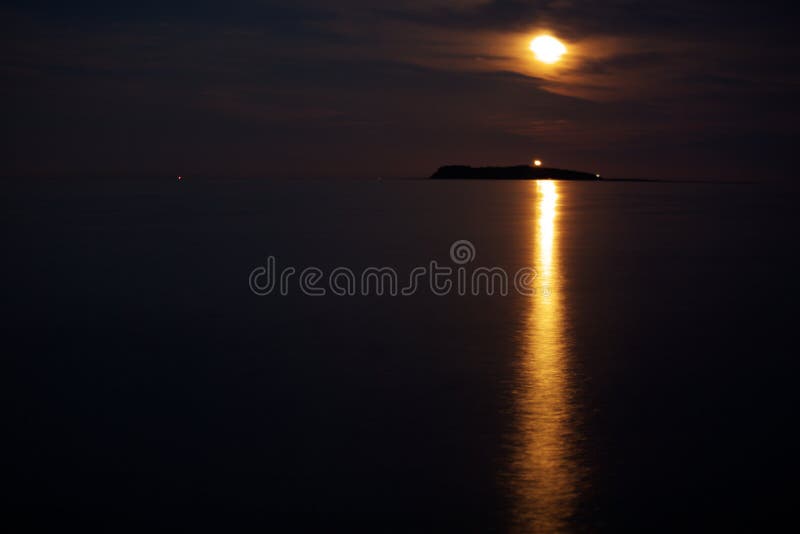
516 172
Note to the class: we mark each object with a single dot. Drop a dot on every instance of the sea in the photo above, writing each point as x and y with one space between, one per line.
278 356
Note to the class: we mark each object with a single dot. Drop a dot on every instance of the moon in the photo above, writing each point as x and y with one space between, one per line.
547 49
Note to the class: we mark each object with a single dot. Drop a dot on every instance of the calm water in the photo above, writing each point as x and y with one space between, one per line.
648 384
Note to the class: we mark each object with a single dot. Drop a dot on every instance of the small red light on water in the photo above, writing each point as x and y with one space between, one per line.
180 177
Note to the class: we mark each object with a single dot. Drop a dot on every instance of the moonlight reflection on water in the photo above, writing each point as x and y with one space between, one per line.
545 473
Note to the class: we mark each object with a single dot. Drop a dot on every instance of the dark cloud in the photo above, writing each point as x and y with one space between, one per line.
618 17
254 12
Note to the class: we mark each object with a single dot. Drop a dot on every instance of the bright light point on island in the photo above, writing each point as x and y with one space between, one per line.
537 163
548 49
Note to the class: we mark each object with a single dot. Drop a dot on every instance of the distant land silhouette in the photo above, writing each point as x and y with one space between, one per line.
517 172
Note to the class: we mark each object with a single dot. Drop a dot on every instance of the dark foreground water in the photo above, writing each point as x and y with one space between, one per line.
648 384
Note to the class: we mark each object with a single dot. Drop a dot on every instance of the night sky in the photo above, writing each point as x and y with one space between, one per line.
359 88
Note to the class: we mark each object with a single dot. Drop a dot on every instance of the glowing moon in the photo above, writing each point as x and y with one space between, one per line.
548 49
